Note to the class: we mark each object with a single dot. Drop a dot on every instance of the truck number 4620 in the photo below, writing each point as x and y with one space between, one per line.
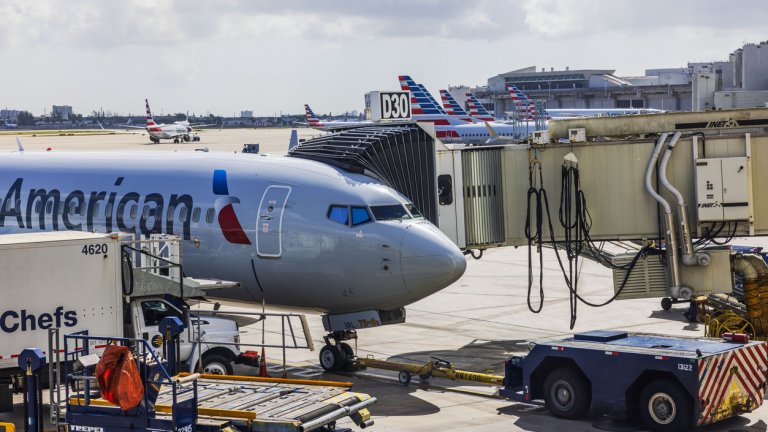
94 249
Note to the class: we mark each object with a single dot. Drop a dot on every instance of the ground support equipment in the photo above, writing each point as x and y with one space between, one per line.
671 383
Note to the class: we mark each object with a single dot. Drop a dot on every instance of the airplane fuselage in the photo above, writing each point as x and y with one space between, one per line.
272 223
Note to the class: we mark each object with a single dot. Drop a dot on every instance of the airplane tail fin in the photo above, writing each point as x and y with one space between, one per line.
150 120
452 107
422 103
312 120
477 110
294 141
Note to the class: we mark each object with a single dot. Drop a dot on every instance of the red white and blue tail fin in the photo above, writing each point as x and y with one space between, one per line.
150 120
312 120
477 110
424 108
453 108
527 108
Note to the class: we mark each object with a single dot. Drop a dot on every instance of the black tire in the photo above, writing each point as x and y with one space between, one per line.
567 393
217 364
404 377
331 358
665 406
666 303
347 352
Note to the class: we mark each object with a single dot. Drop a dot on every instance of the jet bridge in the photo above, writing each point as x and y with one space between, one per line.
663 182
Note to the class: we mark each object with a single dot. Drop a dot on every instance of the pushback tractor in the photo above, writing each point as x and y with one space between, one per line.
670 383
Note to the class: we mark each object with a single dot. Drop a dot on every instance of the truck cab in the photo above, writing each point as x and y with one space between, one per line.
218 334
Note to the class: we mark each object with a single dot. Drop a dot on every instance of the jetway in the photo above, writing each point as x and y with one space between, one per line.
668 183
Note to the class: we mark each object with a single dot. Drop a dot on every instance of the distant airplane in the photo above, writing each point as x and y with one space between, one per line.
527 109
177 131
331 125
11 126
451 129
294 232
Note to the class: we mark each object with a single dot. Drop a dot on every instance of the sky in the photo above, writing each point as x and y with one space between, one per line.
271 57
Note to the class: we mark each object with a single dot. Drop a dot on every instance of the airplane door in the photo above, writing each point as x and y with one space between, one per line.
270 223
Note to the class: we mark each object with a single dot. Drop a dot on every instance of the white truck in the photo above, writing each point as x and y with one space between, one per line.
78 281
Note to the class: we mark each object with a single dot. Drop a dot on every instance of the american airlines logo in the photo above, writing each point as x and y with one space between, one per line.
45 209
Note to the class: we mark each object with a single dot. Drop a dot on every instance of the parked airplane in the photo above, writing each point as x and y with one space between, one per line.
177 131
331 125
11 126
529 109
294 232
450 129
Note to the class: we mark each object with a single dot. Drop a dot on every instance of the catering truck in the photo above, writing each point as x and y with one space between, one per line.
106 284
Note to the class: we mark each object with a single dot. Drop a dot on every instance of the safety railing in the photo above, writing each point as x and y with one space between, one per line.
287 332
153 374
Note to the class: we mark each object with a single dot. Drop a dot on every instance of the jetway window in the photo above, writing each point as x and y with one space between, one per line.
196 215
445 189
134 211
38 207
360 216
49 207
184 214
209 215
390 212
171 211
108 209
339 214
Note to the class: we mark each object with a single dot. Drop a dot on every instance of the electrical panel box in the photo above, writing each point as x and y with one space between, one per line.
577 135
723 189
541 137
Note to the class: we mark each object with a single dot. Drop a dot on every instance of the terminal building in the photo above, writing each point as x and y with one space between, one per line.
739 82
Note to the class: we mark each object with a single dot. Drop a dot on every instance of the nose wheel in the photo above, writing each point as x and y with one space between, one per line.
336 355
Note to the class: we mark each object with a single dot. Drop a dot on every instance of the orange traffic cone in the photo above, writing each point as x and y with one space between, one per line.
263 365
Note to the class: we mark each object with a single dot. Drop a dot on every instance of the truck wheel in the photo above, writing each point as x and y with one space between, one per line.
665 406
331 358
566 393
217 364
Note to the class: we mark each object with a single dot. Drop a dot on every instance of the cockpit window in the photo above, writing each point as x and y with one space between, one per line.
360 215
390 212
338 214
414 211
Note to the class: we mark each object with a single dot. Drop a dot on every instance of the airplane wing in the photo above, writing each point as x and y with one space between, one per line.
128 126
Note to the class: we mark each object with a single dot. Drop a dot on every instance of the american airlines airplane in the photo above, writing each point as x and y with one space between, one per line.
331 125
177 131
294 232
451 129
526 108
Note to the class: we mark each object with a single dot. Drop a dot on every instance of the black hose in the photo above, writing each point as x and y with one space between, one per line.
127 288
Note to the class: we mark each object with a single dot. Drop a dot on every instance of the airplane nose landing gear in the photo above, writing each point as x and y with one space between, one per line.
336 355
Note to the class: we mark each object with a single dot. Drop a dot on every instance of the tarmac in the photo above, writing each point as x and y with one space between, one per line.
476 323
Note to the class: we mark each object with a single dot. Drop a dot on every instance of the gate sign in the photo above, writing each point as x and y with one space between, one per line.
388 106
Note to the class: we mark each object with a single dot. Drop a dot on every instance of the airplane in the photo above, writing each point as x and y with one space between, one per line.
177 131
529 109
295 232
451 129
331 125
11 126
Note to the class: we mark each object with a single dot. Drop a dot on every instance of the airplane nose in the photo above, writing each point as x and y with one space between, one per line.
429 260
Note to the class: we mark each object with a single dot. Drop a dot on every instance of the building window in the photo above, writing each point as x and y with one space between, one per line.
630 103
